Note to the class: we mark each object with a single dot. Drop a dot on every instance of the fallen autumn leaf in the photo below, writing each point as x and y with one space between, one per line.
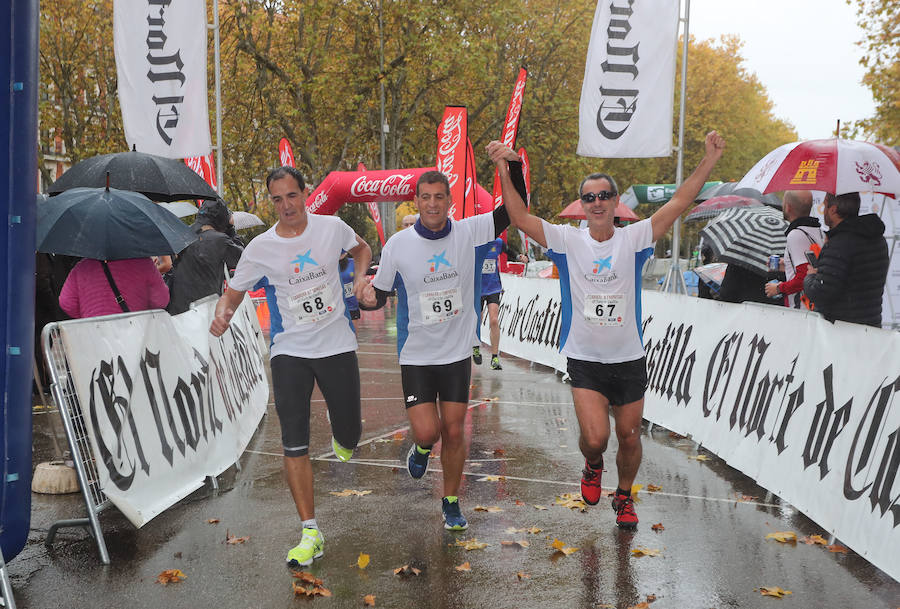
520 543
406 570
233 540
213 521
492 479
652 488
463 567
349 492
837 548
641 551
493 509
363 561
814 540
471 544
522 575
783 536
170 576
658 527
699 458
369 600
773 591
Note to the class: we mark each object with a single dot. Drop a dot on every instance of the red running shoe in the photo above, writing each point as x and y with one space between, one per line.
590 483
626 518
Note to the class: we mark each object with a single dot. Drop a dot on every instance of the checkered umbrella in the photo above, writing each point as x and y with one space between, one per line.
833 165
747 236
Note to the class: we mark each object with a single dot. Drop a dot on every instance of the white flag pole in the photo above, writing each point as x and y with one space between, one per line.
218 73
674 281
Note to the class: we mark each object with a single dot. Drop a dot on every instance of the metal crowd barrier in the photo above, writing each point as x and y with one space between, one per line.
63 390
5 586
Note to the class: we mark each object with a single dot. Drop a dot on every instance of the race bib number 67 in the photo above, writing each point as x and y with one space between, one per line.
604 309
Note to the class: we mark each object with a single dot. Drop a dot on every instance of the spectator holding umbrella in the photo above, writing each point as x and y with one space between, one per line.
848 280
100 287
804 234
200 268
116 232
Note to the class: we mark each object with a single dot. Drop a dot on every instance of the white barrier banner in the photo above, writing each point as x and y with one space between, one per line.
804 407
166 403
529 320
160 48
629 80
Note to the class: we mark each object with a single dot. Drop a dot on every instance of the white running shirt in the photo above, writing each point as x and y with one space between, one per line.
303 287
437 299
600 289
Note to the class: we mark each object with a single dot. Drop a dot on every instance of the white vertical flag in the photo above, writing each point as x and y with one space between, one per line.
629 80
161 64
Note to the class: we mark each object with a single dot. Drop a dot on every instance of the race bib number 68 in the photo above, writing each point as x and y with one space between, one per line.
604 309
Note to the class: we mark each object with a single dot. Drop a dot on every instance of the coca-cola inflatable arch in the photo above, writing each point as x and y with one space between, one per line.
385 185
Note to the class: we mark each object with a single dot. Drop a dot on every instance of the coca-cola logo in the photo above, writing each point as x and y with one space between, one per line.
397 184
318 202
451 134
373 209
445 166
515 108
195 163
286 158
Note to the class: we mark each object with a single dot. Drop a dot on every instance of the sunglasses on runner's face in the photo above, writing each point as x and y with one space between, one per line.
603 195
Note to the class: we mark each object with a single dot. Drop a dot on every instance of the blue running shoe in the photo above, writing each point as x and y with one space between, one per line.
416 462
453 518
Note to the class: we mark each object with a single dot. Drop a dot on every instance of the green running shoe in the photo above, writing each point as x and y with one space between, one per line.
312 546
453 518
476 355
344 454
495 363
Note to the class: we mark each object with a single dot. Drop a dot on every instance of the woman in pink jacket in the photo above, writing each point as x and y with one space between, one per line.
87 291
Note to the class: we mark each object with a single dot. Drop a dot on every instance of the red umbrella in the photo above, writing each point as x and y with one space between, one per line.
833 165
716 205
574 211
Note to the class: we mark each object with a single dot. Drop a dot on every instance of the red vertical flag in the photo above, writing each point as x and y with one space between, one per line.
286 153
204 167
511 126
451 156
373 211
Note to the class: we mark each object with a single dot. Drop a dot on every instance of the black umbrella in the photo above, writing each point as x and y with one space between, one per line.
108 225
747 236
158 178
730 188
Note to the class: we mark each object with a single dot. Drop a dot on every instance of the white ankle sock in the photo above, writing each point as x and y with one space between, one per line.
310 524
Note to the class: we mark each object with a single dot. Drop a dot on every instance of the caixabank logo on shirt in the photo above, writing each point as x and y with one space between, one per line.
433 268
299 274
597 274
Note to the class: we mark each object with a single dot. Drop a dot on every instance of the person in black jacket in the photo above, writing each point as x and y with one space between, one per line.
848 280
199 270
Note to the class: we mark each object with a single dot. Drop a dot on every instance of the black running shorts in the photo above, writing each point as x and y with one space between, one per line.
620 383
293 379
490 298
447 382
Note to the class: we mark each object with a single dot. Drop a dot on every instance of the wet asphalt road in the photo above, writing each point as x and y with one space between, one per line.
521 426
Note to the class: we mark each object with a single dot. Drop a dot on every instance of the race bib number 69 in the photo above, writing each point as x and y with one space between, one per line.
604 309
440 305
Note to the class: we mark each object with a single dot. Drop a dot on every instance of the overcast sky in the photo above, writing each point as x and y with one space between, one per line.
802 51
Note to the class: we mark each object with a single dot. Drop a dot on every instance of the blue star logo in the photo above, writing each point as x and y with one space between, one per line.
602 263
302 259
437 260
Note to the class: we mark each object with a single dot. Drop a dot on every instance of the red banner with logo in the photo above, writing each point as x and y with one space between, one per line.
373 211
511 126
451 157
286 153
204 167
341 187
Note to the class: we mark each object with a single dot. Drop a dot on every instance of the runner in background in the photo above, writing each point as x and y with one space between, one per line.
433 268
491 288
312 338
599 274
